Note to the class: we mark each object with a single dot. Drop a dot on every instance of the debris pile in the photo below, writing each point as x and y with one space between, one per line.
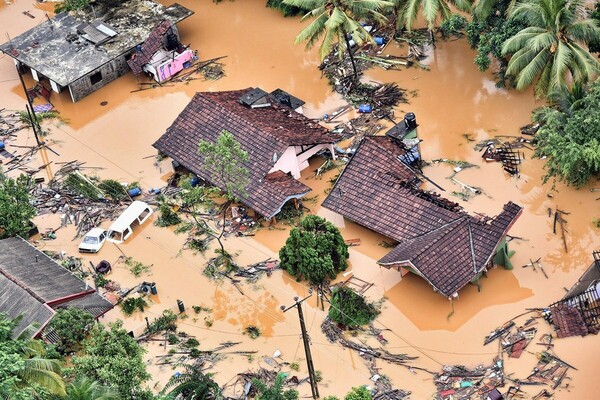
457 382
550 370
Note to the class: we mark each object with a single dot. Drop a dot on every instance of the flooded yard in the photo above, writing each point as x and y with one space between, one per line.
451 99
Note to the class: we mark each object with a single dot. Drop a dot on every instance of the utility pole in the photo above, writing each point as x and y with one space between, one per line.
309 362
30 110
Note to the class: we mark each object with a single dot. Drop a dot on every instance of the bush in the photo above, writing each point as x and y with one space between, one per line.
350 308
359 393
71 326
453 26
133 303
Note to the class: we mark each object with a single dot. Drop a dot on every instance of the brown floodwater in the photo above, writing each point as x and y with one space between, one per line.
451 99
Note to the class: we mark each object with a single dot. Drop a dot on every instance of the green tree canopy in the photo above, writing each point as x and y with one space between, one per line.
350 308
276 391
314 250
432 10
25 371
193 384
552 49
359 393
570 139
86 389
112 358
335 21
15 207
71 326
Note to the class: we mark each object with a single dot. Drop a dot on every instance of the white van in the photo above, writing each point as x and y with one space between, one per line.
138 212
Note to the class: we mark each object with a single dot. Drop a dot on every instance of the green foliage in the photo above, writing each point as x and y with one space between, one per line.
15 206
113 189
552 50
172 338
488 33
331 398
431 10
166 322
191 343
453 26
112 358
71 326
131 304
359 393
192 384
571 140
252 331
167 217
594 44
26 372
82 186
224 161
315 250
136 267
286 10
86 389
294 366
39 117
70 5
275 391
350 308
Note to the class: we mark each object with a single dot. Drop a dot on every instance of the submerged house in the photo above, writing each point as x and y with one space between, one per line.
83 51
578 312
437 240
279 141
33 287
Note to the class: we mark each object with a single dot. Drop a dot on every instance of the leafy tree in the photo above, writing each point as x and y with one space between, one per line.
488 30
25 371
224 161
359 393
15 207
314 250
112 358
167 217
86 389
276 391
594 44
193 384
570 139
453 26
286 10
336 21
552 49
350 308
432 10
71 326
70 5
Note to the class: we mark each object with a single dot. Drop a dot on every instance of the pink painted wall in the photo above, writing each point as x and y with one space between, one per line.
166 70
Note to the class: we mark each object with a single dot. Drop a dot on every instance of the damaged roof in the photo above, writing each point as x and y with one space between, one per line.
437 239
264 133
71 45
149 47
33 285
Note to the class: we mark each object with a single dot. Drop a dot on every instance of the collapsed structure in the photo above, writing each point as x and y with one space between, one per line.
279 141
437 240
83 51
33 287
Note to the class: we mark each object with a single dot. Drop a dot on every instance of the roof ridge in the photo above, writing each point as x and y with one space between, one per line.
471 245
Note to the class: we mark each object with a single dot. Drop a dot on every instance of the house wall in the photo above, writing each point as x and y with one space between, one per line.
109 72
294 159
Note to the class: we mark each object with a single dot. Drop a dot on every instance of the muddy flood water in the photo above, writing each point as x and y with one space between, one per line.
451 99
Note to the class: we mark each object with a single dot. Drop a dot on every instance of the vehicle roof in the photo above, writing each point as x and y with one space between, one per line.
95 232
130 214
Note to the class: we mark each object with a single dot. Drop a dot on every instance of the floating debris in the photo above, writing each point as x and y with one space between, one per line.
457 382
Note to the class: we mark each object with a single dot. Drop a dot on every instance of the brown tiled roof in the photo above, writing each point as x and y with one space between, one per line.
149 47
437 238
568 321
264 133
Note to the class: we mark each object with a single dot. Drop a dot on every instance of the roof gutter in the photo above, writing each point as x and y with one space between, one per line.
70 297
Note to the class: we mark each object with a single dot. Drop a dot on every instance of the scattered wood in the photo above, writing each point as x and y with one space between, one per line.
352 242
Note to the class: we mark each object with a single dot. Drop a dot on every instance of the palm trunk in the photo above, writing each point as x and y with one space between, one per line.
351 56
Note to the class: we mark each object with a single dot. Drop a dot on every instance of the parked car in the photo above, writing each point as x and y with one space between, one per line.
93 241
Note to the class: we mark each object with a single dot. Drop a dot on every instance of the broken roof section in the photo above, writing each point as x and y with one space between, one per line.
437 239
70 46
149 47
32 285
264 128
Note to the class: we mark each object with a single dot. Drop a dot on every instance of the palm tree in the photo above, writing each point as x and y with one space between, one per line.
553 47
86 389
484 8
275 391
193 384
407 10
336 21
38 370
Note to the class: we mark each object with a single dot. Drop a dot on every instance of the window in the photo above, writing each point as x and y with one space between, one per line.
95 78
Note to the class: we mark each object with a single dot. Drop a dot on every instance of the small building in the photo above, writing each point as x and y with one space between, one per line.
279 141
578 312
83 51
437 240
33 287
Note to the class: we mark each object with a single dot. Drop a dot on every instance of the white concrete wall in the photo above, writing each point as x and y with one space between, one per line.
55 86
287 162
34 74
303 158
